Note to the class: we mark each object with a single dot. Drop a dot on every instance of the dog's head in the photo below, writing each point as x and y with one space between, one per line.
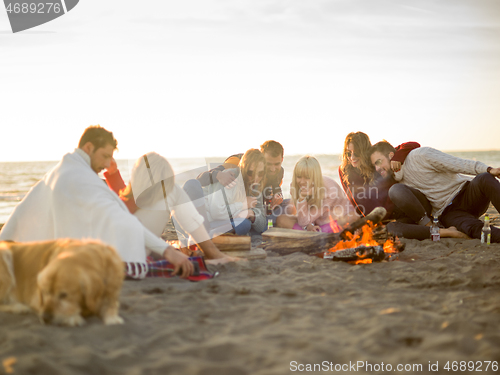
76 282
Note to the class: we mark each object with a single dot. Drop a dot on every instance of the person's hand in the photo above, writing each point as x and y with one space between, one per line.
495 172
113 168
313 228
182 264
395 165
251 215
276 201
251 202
227 178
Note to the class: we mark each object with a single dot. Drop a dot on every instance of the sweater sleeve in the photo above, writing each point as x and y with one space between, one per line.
442 162
403 150
209 177
154 243
116 183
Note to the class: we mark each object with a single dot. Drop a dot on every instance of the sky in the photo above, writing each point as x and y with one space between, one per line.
199 78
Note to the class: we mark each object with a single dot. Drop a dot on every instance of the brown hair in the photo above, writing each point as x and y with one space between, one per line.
362 144
384 147
252 156
273 148
98 136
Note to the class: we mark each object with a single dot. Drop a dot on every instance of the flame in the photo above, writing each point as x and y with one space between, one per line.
361 261
389 247
365 237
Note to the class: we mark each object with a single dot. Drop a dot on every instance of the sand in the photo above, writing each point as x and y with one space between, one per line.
439 303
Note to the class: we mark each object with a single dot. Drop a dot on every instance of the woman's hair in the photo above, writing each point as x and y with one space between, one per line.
308 167
152 179
362 144
252 156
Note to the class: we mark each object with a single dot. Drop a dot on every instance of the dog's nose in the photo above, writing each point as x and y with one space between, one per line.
47 317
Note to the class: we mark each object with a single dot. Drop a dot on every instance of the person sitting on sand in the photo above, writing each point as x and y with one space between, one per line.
320 203
152 196
272 194
71 201
237 207
365 187
456 200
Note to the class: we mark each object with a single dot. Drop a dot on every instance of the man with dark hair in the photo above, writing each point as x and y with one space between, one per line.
273 152
71 201
98 136
456 200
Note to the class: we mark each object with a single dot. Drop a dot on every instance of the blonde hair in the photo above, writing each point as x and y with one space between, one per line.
308 167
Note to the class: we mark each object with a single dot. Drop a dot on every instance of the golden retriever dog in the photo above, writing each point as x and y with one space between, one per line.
62 280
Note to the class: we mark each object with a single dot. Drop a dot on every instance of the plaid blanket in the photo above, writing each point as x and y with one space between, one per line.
163 268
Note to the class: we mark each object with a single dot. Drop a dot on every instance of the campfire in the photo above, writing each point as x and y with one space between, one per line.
366 240
369 243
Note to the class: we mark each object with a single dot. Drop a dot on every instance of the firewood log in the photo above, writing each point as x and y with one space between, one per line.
375 217
307 245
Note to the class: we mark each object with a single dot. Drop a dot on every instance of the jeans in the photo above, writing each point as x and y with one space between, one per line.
279 210
473 201
412 213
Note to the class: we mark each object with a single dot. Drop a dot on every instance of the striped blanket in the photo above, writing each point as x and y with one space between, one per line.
163 268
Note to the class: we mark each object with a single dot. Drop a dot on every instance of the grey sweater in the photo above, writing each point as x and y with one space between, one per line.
437 175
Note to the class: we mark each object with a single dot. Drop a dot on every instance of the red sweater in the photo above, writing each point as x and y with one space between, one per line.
116 183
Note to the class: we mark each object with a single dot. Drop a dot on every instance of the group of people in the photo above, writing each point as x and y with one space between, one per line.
243 195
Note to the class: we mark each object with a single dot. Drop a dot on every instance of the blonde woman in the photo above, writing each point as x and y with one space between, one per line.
320 203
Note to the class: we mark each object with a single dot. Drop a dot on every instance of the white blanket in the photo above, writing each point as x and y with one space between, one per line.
71 201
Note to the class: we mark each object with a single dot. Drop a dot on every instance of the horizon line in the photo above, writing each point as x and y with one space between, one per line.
225 156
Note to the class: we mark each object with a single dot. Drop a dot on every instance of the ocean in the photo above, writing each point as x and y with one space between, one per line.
17 178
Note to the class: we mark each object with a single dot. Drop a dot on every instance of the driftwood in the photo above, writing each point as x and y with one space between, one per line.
232 242
308 244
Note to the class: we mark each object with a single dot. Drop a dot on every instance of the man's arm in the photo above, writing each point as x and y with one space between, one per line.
209 177
446 163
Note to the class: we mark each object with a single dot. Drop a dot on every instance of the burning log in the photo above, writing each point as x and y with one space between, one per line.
375 253
375 217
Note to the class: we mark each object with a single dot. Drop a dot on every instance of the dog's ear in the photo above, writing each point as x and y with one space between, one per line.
42 278
92 287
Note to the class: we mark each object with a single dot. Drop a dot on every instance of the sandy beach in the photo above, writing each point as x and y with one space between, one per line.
439 303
